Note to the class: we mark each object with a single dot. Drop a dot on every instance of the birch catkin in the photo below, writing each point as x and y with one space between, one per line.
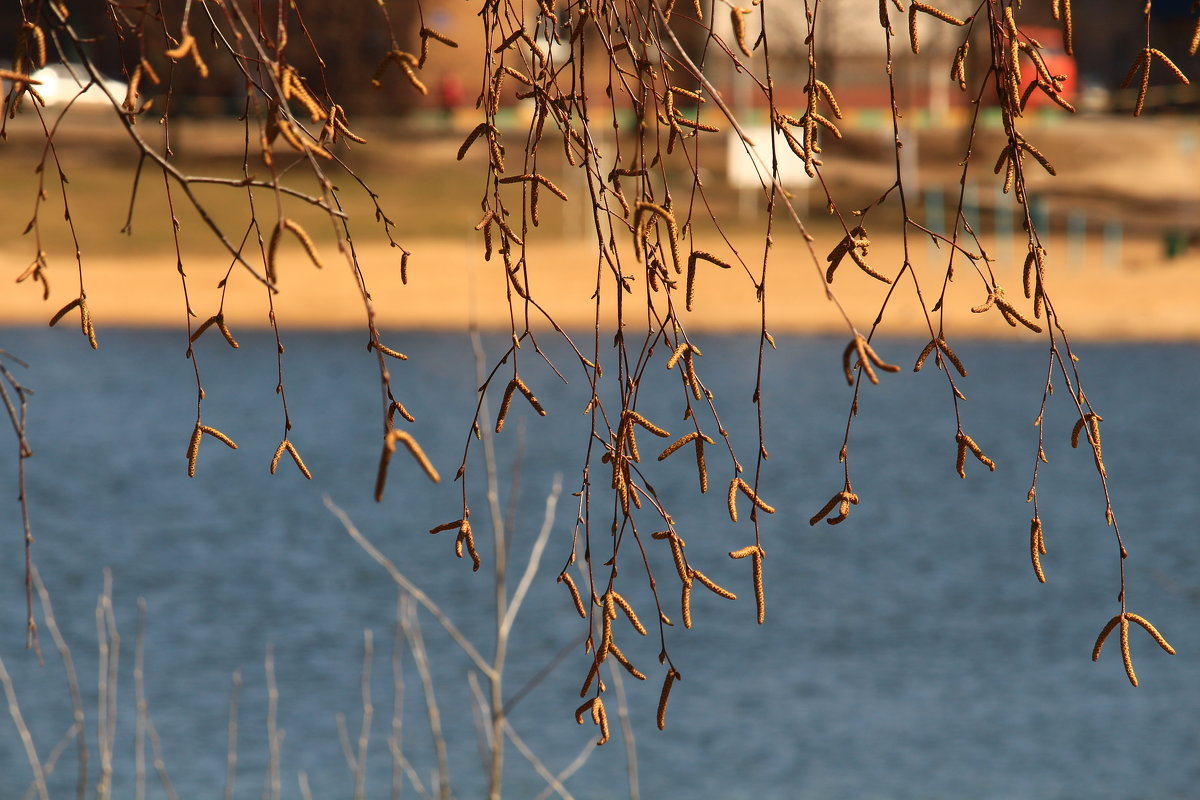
664 696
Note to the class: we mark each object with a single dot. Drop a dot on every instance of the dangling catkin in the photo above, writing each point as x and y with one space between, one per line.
565 578
665 695
714 588
1036 548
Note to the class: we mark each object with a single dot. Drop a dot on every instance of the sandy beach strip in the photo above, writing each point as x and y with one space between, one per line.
1146 298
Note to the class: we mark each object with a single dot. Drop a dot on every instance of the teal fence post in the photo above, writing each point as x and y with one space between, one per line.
1113 236
1076 238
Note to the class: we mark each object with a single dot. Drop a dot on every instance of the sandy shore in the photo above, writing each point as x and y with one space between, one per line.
1146 298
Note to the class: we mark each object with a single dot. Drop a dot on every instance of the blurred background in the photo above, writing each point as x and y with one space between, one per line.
908 652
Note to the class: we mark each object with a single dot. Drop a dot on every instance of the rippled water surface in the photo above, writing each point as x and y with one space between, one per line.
908 652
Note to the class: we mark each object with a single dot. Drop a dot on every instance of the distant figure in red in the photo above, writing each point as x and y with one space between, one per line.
450 92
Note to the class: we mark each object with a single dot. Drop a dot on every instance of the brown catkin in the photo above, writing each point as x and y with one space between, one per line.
1035 548
676 354
193 450
647 424
224 329
624 662
1112 623
678 443
760 598
291 448
732 499
565 578
586 707
1077 430
605 636
471 137
593 671
415 449
1068 29
63 311
533 401
924 355
220 437
1150 629
505 403
754 498
686 603
713 587
826 509
700 467
738 20
950 354
1176 71
628 609
602 720
677 555
665 695
278 454
1125 656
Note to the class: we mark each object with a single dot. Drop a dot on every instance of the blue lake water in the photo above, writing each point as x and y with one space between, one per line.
909 652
